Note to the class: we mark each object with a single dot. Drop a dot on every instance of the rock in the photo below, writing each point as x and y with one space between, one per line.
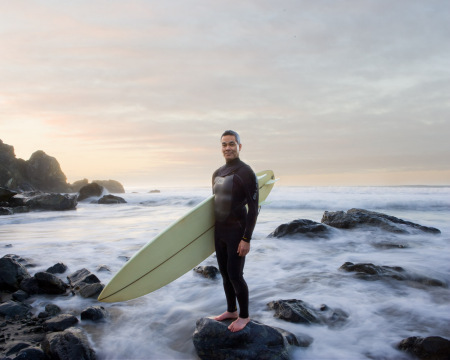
104 268
20 296
209 272
111 199
302 227
298 311
12 273
50 284
77 185
112 186
56 202
60 322
31 353
94 313
430 348
44 173
358 217
58 268
12 309
6 194
6 211
85 283
69 344
154 191
30 286
90 190
213 340
368 271
52 309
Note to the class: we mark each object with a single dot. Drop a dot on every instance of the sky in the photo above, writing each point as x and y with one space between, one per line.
324 93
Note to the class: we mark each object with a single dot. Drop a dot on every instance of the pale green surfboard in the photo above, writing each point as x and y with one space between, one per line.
175 251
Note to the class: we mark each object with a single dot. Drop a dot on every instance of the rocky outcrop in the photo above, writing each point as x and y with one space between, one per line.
298 311
301 228
430 348
213 340
40 172
112 186
359 217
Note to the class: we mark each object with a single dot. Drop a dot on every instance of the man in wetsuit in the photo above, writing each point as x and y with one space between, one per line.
234 185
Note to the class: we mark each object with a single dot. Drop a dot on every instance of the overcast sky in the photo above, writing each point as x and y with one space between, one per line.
350 92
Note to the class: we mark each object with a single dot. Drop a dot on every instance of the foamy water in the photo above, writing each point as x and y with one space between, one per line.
160 325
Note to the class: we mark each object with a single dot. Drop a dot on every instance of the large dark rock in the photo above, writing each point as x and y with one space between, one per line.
90 190
301 227
60 322
55 202
369 271
58 268
213 340
12 273
94 313
85 283
298 311
209 272
358 217
44 173
430 348
13 309
111 200
6 194
12 170
77 185
50 284
68 344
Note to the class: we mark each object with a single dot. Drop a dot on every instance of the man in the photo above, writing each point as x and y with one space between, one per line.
234 185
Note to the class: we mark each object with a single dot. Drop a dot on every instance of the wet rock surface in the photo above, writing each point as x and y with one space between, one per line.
301 227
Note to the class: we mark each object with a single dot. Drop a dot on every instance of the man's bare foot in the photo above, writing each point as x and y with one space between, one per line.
238 324
227 315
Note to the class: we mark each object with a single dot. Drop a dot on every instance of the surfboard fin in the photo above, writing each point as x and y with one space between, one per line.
270 182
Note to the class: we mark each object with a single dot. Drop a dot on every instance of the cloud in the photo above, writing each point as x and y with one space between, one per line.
313 87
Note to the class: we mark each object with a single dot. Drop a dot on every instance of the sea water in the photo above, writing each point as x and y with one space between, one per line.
160 325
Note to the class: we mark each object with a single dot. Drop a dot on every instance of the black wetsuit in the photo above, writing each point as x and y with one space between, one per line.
235 185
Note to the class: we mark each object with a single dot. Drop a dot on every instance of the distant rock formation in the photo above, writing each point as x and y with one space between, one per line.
41 172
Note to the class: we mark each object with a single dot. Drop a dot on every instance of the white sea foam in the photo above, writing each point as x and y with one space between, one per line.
160 325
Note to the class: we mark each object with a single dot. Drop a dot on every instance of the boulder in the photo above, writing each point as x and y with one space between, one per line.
369 271
6 194
50 284
213 340
298 311
85 283
94 313
12 309
58 268
359 217
12 273
112 186
57 202
209 272
77 185
68 344
111 199
60 322
31 353
429 348
301 227
90 190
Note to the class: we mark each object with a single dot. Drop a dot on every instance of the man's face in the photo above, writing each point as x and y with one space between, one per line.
230 148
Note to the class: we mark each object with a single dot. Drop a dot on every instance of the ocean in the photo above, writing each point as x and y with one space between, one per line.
160 325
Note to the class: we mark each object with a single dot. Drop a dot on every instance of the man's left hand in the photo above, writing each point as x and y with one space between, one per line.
243 248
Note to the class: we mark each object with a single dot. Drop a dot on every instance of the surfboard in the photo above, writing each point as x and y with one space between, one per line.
175 251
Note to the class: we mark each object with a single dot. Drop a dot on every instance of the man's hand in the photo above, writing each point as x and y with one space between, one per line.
243 248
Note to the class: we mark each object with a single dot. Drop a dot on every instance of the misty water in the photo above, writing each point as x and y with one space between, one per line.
160 325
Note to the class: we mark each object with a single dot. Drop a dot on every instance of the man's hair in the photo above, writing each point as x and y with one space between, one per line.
233 133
